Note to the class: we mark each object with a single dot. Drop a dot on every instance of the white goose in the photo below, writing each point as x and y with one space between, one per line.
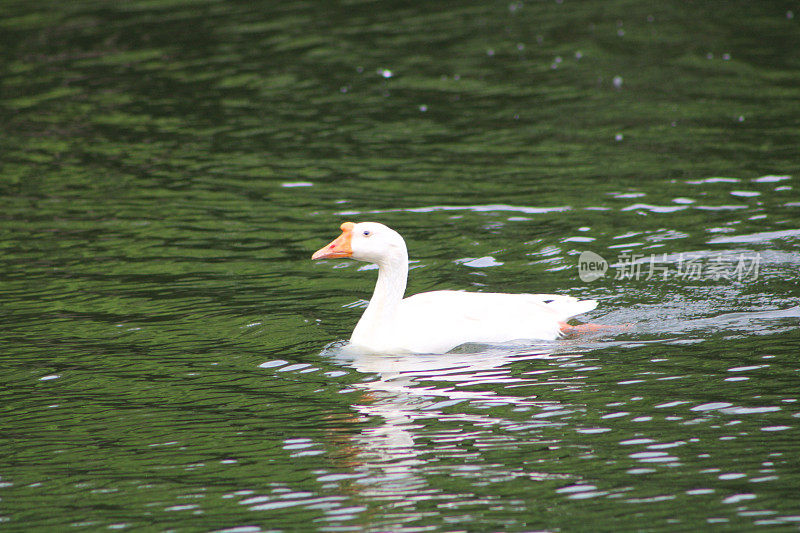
438 321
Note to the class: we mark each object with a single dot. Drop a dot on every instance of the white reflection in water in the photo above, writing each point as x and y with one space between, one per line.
410 389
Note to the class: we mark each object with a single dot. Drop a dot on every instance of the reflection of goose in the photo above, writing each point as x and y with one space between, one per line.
410 398
420 382
411 387
435 322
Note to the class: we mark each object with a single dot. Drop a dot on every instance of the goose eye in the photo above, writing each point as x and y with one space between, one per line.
366 233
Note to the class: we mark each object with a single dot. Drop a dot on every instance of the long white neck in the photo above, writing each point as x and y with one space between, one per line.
375 324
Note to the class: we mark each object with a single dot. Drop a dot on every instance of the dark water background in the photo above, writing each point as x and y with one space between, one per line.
168 167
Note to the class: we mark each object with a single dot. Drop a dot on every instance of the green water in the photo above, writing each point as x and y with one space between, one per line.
169 351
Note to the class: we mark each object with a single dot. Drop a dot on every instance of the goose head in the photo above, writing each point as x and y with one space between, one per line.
365 241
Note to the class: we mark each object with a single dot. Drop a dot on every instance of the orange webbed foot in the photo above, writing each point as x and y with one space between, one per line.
568 329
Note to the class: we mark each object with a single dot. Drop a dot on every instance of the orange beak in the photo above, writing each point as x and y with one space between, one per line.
340 247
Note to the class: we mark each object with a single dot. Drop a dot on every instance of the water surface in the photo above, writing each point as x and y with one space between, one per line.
172 358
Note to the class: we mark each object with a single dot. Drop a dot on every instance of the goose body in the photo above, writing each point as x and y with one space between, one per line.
438 321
